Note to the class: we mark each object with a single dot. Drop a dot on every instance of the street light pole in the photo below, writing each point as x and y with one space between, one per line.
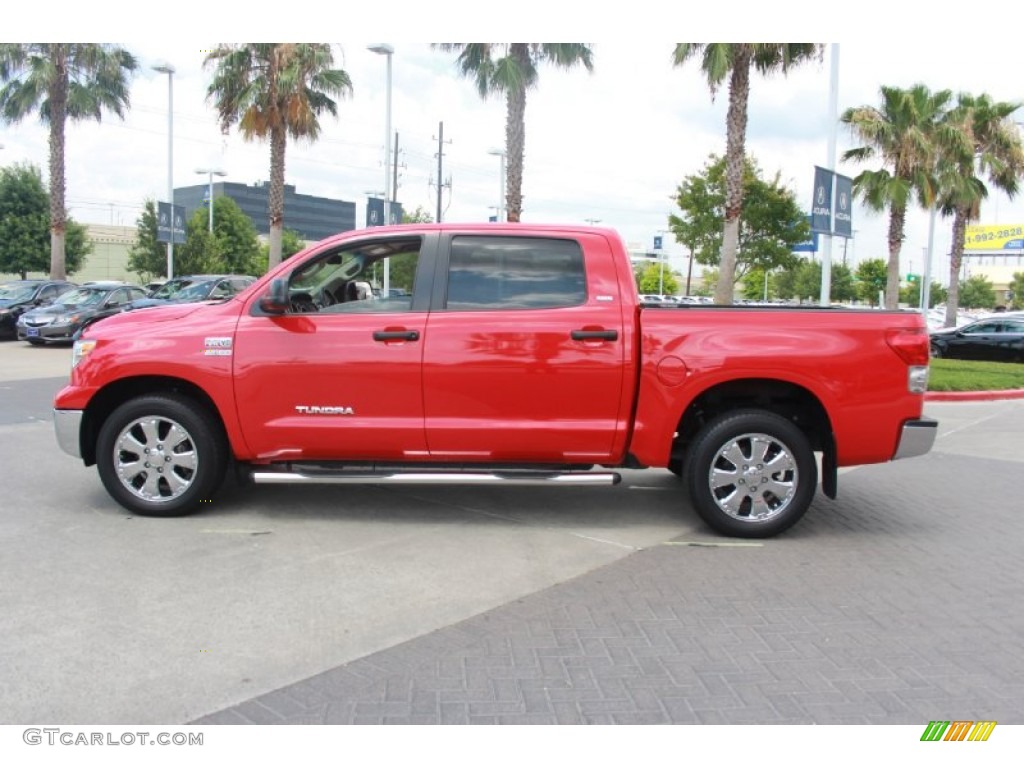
501 182
211 172
386 50
169 71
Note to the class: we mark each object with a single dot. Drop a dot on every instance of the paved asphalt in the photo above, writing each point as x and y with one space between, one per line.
899 603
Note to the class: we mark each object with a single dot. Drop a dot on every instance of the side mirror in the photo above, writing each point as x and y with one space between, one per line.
275 301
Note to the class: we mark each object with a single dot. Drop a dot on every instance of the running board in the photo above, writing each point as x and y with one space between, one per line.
439 478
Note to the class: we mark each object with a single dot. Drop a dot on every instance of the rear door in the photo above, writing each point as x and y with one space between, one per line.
524 352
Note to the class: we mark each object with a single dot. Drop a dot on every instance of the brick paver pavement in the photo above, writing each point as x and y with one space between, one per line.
900 603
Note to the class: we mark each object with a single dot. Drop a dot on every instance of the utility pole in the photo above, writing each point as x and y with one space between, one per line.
440 158
394 177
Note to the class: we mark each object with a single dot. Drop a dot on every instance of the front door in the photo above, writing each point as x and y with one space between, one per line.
337 377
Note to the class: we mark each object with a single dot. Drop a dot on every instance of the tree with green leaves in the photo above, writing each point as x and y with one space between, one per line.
803 281
200 253
772 224
25 225
275 91
1017 288
291 243
988 147
657 278
910 294
806 283
977 293
872 277
62 81
735 61
512 69
905 133
238 245
419 216
147 257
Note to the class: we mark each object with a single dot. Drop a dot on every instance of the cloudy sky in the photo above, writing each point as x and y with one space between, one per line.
611 145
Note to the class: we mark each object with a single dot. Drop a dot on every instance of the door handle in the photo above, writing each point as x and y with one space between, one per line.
396 335
581 335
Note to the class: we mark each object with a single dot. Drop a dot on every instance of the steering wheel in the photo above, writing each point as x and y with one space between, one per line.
327 298
302 302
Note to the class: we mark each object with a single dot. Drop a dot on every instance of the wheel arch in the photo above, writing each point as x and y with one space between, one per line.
106 400
789 400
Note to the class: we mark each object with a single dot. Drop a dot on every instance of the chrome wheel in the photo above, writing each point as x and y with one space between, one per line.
751 473
155 458
753 477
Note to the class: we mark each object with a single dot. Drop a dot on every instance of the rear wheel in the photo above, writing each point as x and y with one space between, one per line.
161 455
751 474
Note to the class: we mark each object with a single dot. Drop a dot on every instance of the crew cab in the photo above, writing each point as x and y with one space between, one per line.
502 353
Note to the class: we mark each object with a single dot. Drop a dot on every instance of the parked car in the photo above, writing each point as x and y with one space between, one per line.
19 296
999 338
74 309
191 288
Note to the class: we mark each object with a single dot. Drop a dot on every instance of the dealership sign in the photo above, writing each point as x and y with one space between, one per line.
832 215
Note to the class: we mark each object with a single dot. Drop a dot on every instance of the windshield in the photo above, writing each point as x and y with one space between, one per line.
169 289
195 292
16 292
81 297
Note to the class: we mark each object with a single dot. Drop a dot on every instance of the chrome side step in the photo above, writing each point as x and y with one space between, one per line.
438 478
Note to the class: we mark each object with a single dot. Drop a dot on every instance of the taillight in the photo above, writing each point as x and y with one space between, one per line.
911 344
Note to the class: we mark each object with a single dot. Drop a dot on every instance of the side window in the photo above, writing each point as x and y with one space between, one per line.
48 294
222 290
136 293
486 272
352 278
117 298
239 284
989 327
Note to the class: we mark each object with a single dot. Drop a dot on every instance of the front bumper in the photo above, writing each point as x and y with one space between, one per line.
916 438
54 332
68 425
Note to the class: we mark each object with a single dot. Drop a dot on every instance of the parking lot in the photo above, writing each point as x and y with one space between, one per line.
898 603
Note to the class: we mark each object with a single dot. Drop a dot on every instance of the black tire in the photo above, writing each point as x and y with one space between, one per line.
189 452
764 501
936 351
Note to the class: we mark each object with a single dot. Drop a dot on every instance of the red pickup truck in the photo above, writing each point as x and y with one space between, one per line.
491 353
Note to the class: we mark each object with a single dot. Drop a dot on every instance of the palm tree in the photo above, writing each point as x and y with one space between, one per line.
734 60
275 90
989 146
907 132
62 81
511 68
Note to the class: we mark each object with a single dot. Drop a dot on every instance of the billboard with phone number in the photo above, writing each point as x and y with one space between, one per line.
994 237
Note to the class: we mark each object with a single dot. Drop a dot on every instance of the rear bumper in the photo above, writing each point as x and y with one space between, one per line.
67 425
916 438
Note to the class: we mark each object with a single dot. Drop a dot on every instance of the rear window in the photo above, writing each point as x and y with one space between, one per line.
515 273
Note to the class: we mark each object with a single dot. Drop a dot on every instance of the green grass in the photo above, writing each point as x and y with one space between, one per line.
972 375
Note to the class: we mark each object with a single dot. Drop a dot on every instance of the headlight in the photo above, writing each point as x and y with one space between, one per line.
82 349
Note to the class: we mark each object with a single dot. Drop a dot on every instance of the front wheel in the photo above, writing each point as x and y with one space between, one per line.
161 455
936 351
751 474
